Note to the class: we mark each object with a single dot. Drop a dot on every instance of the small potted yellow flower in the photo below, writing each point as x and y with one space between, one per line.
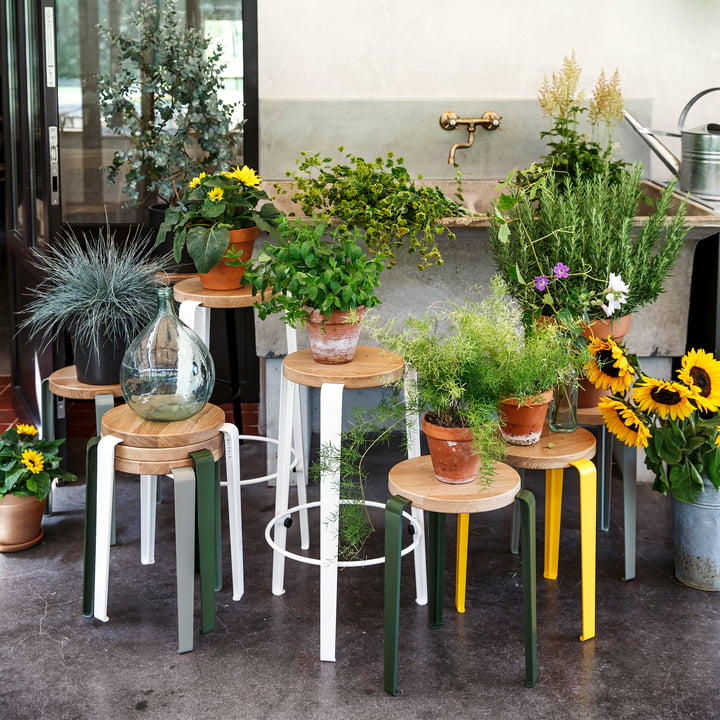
28 465
218 218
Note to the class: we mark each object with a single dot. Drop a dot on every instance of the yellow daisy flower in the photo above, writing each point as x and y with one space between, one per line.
623 422
245 175
33 461
609 368
197 180
663 397
216 194
23 429
700 371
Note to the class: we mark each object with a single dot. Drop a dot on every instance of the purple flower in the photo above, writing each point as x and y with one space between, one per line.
561 270
541 282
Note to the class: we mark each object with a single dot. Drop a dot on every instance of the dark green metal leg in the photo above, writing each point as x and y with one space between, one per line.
218 532
206 533
526 502
436 567
393 547
90 523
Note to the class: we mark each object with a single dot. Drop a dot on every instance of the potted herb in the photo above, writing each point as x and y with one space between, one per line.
101 292
217 219
380 198
163 96
320 277
28 465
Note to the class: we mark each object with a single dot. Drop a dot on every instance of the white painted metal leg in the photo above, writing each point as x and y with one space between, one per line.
105 487
331 397
282 489
298 441
184 485
412 428
148 504
197 318
232 471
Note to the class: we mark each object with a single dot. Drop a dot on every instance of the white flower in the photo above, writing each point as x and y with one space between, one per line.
616 284
616 295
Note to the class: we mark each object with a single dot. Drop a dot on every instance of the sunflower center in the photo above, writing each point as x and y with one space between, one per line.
665 396
606 362
702 380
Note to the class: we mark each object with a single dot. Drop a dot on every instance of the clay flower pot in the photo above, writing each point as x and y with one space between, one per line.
521 422
333 340
229 277
20 522
451 451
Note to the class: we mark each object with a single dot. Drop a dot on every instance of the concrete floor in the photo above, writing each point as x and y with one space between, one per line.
655 655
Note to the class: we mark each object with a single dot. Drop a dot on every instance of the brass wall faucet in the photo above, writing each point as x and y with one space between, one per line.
450 121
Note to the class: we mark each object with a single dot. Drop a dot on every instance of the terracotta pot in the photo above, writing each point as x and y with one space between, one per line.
229 277
20 522
451 452
333 340
616 328
521 422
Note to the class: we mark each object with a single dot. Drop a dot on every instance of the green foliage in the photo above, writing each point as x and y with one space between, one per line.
28 464
209 208
588 227
163 97
307 270
378 197
94 286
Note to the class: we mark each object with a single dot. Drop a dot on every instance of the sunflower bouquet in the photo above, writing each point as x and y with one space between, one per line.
28 464
210 207
675 421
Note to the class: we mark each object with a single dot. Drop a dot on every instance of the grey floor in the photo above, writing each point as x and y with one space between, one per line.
656 654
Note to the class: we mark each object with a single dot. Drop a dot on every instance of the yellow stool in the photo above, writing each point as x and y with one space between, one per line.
553 453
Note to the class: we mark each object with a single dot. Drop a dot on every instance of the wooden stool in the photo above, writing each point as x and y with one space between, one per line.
64 384
628 470
413 481
187 450
372 367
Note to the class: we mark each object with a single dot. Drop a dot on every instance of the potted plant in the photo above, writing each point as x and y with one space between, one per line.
320 277
101 292
163 96
676 422
28 466
218 218
380 198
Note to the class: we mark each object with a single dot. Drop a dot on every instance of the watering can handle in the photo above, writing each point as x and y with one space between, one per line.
686 109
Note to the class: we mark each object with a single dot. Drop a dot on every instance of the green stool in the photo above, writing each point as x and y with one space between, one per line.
413 482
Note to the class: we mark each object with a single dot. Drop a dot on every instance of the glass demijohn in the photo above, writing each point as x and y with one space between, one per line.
167 373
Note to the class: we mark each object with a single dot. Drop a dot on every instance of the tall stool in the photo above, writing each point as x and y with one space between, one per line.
372 367
186 450
64 384
413 482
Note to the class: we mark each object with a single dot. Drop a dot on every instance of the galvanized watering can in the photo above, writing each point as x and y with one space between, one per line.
699 167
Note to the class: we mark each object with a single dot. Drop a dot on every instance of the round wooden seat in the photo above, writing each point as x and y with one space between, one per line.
137 432
161 461
589 416
414 480
553 451
64 383
191 289
371 367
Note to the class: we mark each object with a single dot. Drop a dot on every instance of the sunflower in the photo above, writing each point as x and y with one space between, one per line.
23 429
609 368
623 422
33 461
245 175
216 194
700 371
663 397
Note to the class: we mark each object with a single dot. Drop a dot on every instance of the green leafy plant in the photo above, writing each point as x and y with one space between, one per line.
313 266
210 207
380 198
28 464
572 152
571 249
676 421
164 96
94 287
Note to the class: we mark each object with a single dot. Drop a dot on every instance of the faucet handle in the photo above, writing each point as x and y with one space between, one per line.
448 120
490 120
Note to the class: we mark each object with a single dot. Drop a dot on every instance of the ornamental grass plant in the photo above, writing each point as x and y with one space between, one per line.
675 421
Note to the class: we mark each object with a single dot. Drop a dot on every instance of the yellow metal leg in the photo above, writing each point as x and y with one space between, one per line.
553 508
461 549
588 542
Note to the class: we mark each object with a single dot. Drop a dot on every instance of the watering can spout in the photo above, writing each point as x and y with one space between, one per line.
672 163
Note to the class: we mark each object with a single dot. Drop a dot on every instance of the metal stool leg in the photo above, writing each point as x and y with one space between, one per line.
515 532
525 502
90 524
436 567
232 472
393 548
461 552
553 511
629 475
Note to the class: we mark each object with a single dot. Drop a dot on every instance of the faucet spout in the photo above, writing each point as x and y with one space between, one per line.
450 121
